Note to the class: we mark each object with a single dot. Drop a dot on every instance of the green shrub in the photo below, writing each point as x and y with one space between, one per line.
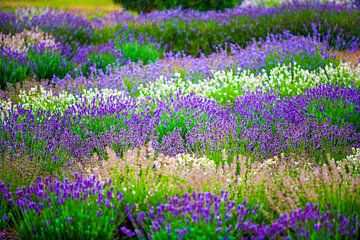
149 5
304 61
104 35
135 52
72 220
198 4
337 112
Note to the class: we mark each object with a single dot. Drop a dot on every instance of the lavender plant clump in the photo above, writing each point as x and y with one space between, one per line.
211 215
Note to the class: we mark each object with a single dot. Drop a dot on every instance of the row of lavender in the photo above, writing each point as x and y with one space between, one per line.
191 216
56 20
62 43
53 132
323 120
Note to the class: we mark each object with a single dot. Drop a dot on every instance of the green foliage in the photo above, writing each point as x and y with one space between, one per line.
134 51
44 64
197 4
126 51
304 61
149 5
337 112
12 71
105 34
145 187
74 37
137 5
48 63
74 219
181 120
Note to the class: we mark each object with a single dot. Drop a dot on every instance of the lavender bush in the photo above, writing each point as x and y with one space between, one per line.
63 209
65 27
212 216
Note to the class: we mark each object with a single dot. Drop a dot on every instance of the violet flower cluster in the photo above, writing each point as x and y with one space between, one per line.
270 125
9 54
216 216
258 125
10 23
50 192
62 24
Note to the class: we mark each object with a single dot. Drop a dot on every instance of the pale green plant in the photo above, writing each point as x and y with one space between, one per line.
277 185
40 98
5 106
225 86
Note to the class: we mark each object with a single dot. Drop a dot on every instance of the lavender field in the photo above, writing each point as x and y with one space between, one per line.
218 120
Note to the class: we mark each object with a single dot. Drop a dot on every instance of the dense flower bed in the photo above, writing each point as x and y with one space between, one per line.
256 137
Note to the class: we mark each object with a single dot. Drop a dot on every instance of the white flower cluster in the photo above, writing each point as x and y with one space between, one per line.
40 98
190 162
291 80
354 160
4 108
227 85
23 41
221 86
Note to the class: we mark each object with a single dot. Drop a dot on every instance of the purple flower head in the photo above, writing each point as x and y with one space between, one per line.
127 232
99 213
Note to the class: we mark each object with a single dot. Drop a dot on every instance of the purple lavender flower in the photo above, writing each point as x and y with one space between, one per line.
5 218
52 188
65 27
127 232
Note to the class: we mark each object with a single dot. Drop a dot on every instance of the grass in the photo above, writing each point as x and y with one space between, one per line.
91 6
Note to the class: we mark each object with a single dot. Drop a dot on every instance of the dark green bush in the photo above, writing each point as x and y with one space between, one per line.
138 5
202 5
